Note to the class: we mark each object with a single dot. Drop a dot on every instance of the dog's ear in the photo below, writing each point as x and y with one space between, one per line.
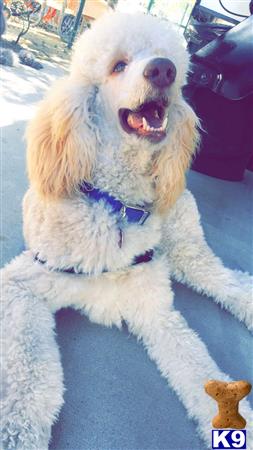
172 162
62 140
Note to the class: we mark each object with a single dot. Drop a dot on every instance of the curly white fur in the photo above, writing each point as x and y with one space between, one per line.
77 136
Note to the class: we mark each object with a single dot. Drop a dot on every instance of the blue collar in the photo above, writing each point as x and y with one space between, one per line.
133 214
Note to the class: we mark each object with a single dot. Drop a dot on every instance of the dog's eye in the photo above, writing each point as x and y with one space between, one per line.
119 67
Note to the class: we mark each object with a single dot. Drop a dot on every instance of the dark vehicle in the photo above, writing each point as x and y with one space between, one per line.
220 89
205 25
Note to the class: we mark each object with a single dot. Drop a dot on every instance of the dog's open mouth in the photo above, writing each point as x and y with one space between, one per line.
148 121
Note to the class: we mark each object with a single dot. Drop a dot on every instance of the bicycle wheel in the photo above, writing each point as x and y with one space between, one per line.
18 8
66 27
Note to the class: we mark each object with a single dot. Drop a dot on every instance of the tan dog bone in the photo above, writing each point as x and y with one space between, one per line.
228 396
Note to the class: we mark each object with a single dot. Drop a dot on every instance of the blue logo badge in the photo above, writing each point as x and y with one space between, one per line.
227 439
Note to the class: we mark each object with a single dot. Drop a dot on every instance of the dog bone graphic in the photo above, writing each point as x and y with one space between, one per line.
228 396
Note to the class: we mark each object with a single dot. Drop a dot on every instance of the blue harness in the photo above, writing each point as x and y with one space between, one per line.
133 214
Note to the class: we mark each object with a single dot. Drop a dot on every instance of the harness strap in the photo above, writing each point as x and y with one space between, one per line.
144 258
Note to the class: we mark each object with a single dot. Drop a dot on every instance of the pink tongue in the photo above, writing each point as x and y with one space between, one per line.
134 120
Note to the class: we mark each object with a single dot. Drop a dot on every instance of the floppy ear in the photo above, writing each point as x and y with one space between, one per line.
62 140
173 161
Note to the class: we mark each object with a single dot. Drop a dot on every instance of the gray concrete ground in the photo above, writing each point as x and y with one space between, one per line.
115 398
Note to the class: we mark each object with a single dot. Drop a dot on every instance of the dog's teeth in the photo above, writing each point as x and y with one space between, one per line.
164 123
147 127
144 123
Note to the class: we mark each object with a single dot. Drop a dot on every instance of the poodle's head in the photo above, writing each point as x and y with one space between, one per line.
138 64
124 86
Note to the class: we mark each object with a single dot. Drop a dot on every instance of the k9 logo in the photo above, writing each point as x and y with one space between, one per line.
229 439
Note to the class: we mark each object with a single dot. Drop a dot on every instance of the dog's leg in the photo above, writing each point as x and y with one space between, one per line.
180 355
31 372
94 296
193 262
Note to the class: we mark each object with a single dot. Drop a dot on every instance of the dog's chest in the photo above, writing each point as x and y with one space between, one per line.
85 235
126 177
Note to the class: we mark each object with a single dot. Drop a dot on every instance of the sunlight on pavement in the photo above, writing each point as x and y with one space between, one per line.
21 88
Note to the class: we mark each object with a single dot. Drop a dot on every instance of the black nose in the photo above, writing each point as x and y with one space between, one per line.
161 72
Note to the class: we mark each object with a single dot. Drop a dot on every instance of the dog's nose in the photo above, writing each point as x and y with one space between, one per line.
161 72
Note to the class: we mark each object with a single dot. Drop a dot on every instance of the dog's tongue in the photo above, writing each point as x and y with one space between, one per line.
135 119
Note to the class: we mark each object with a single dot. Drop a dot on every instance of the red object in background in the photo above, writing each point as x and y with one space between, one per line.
50 14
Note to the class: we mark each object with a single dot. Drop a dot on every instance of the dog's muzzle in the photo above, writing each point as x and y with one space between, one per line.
148 121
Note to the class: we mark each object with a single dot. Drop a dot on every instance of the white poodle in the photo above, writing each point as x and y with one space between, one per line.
107 223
